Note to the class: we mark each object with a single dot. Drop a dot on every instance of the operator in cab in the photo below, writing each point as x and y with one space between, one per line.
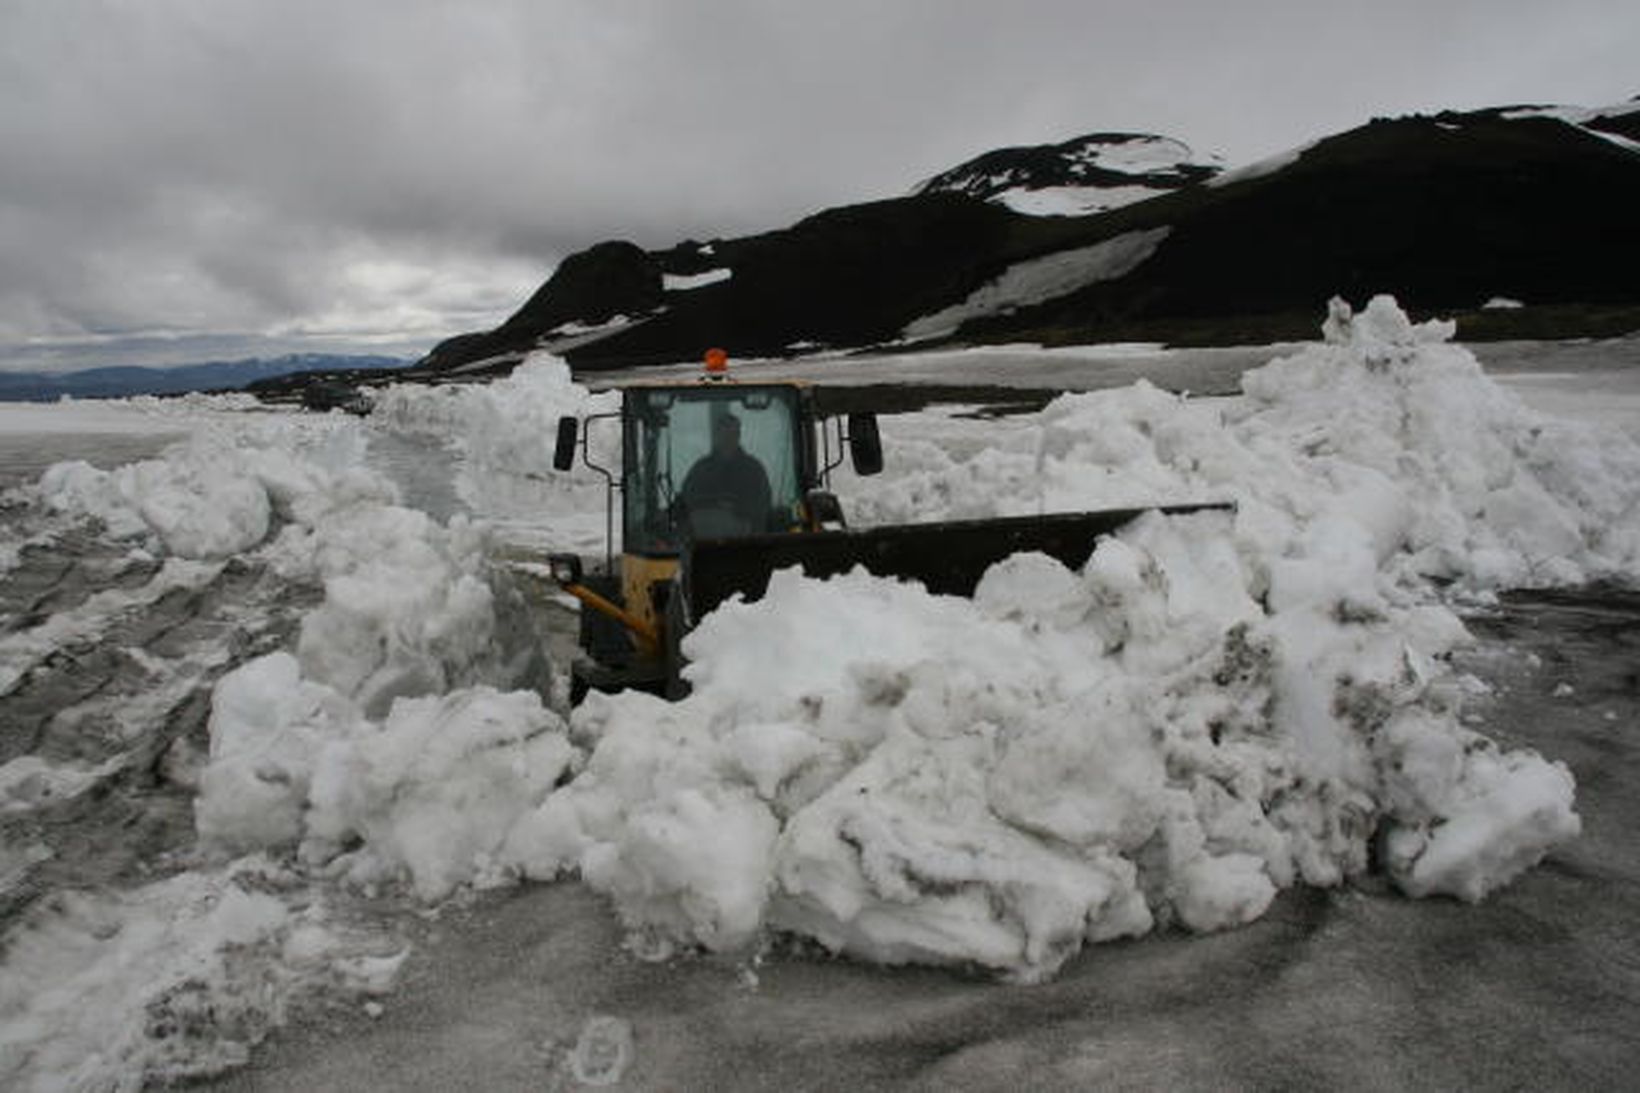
727 491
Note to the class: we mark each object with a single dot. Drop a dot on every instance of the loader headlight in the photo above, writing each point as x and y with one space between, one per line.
566 568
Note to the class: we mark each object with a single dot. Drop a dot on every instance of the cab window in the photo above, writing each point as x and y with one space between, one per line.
708 462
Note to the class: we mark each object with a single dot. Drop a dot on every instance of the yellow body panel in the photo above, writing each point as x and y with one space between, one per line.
638 576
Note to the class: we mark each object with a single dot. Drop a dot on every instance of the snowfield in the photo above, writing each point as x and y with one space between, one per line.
1215 708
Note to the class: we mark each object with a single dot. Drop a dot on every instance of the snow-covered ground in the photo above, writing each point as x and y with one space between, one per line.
1215 709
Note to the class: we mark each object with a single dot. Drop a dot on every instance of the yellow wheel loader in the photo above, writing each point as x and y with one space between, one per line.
723 482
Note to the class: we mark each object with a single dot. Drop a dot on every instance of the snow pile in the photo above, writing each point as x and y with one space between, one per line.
1068 758
505 434
216 494
427 793
408 608
1446 474
1386 447
375 746
1214 708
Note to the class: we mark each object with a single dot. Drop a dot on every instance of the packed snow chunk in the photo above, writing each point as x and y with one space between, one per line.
661 818
692 864
267 727
1213 708
223 490
1217 893
903 860
502 433
433 791
199 503
408 608
1461 481
429 794
1497 817
943 780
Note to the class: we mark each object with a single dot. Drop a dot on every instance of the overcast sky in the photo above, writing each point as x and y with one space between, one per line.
182 179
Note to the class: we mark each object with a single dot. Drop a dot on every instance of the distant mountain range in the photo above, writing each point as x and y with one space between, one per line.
1124 236
121 382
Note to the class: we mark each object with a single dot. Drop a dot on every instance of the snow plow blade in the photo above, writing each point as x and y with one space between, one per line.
947 558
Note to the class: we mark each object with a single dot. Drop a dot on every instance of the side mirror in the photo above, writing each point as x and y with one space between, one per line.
865 446
563 456
566 568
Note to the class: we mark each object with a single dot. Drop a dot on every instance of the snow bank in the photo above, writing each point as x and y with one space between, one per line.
1384 447
219 492
1068 758
408 608
504 433
425 794
1214 708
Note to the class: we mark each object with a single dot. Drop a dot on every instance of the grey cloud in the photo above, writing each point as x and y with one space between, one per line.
244 166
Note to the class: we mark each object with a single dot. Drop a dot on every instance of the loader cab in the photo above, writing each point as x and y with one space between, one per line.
712 461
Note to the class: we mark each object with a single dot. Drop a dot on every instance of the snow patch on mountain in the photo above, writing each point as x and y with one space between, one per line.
1042 279
684 282
1080 177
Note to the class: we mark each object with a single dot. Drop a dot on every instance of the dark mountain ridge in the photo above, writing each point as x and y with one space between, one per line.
1446 211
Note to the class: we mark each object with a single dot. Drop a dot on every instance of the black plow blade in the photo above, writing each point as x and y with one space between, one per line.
947 558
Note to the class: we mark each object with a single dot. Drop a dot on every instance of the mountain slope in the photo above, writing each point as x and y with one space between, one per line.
1445 211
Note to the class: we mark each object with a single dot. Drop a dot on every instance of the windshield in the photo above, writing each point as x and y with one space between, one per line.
709 461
